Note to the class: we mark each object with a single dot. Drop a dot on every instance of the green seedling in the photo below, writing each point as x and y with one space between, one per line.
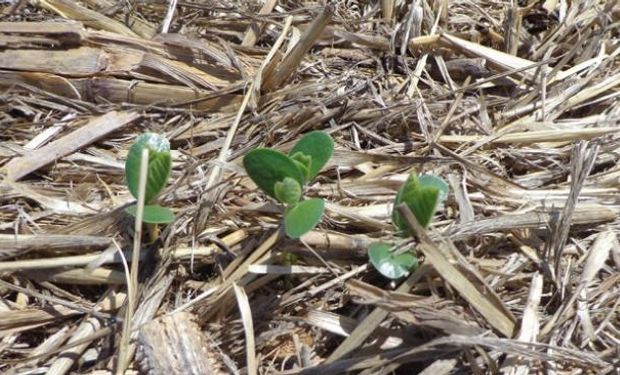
422 195
158 173
283 177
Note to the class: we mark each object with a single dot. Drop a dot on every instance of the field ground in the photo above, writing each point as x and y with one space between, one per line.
515 103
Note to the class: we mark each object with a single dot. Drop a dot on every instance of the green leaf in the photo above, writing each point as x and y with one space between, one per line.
159 166
302 217
422 202
288 191
390 265
303 162
422 196
266 167
153 214
428 180
319 146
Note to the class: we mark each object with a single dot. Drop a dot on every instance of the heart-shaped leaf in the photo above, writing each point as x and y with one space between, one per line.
159 166
302 217
390 265
153 214
422 200
319 146
266 167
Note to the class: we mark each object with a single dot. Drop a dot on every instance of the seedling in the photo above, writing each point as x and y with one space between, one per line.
159 167
422 195
283 177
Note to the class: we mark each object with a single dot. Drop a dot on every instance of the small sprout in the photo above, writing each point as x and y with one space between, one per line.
422 195
288 191
283 176
303 162
160 164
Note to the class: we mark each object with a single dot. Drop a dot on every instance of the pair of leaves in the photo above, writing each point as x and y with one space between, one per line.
266 166
158 171
282 177
422 195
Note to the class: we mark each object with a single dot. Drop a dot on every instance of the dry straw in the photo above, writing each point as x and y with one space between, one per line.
516 104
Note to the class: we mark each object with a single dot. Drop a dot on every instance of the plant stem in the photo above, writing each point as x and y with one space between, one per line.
153 231
132 287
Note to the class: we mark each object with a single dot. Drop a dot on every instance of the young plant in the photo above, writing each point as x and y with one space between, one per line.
422 195
283 177
158 173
